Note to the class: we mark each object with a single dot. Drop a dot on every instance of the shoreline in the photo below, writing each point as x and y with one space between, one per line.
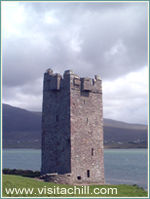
104 148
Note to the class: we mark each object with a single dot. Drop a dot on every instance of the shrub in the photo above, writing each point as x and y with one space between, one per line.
25 173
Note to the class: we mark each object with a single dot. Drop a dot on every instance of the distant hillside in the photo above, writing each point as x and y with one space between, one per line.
17 119
22 129
118 124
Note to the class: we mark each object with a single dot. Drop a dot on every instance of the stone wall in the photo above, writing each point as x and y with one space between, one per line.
57 178
72 127
56 125
87 131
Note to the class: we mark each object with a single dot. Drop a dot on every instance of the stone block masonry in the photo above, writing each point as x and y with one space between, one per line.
72 129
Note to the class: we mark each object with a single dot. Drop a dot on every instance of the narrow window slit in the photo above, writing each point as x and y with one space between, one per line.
92 151
88 173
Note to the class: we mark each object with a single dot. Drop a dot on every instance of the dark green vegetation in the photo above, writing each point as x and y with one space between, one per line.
24 173
22 129
18 182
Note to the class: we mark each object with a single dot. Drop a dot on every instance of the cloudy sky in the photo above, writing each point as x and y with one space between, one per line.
109 39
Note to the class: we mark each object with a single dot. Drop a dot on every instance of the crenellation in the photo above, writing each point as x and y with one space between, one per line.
55 82
77 82
68 74
86 84
97 77
49 71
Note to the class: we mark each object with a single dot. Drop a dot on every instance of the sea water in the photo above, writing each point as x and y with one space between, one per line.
122 166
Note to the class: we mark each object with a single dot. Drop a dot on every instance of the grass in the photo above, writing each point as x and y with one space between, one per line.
13 181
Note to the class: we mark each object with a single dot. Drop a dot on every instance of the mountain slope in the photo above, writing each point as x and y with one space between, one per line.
22 128
17 119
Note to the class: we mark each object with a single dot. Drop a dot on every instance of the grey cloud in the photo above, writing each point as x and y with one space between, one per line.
28 96
97 32
109 39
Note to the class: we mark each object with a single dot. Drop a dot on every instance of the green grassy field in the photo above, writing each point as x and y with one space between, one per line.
42 189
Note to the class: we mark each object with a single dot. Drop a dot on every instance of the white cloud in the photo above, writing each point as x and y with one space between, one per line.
126 98
13 19
50 18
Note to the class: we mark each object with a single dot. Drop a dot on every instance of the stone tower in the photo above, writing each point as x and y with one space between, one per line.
72 129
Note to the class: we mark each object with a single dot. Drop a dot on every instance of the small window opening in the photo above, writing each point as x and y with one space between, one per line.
79 177
57 118
92 151
87 120
88 173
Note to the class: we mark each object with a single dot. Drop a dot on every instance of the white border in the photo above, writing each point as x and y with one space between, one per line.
69 1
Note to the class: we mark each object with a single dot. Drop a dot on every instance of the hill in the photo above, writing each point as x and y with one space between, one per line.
22 129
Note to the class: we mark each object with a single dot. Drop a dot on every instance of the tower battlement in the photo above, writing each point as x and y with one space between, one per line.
55 81
72 128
